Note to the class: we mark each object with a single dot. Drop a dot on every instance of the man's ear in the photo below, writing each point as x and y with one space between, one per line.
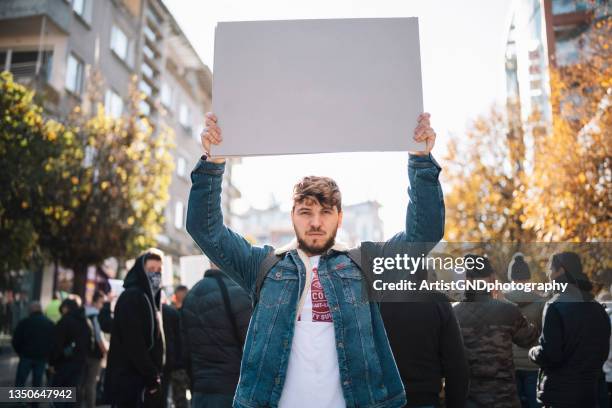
340 213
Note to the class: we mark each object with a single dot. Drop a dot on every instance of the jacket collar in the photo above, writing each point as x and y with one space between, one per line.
338 247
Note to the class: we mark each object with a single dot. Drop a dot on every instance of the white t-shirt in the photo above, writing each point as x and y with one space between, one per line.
313 375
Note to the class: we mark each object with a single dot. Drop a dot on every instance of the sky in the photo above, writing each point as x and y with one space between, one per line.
462 62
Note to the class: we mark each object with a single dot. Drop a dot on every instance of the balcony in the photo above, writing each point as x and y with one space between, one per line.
58 11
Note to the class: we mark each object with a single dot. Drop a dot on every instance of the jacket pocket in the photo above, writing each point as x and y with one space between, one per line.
351 280
278 286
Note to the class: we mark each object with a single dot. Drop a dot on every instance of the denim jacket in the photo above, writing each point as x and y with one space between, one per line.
369 375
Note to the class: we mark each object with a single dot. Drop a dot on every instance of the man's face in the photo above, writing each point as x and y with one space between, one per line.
153 266
315 226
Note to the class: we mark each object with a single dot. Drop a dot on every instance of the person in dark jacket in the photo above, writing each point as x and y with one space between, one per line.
575 339
136 353
215 318
531 305
74 337
32 345
427 345
489 327
174 374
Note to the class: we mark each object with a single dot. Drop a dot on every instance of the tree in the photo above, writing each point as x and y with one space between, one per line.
572 183
119 189
82 191
487 173
566 194
30 148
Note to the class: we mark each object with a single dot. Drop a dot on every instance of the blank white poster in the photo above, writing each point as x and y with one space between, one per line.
317 86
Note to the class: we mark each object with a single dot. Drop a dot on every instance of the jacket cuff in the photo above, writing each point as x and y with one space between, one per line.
423 161
207 167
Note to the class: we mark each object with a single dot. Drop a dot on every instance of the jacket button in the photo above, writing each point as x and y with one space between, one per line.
277 380
346 383
278 275
340 344
285 343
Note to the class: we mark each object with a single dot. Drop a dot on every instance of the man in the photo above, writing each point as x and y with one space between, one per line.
489 327
32 345
136 354
73 340
575 339
312 340
428 348
531 305
96 353
215 317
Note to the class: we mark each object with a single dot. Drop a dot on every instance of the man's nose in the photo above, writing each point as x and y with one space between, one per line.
315 221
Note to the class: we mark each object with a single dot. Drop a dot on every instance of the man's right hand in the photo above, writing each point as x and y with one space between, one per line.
211 135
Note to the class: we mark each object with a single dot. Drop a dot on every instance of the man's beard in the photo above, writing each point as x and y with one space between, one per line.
318 250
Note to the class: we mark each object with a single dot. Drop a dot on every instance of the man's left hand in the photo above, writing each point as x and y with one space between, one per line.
424 133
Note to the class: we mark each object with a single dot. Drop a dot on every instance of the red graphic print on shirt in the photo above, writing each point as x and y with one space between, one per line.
320 308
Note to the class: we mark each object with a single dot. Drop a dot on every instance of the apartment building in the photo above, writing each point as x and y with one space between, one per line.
60 46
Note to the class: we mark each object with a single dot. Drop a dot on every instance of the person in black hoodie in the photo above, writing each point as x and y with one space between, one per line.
575 339
73 339
215 319
136 353
427 345
32 345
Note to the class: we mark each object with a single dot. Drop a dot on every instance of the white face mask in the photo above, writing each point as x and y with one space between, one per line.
154 281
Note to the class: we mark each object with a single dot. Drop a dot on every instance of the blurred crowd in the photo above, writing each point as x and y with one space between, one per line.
489 350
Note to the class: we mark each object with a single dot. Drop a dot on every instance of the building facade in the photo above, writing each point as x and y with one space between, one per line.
542 34
68 49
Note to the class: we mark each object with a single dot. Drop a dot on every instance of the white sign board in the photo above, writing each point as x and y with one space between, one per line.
317 86
193 268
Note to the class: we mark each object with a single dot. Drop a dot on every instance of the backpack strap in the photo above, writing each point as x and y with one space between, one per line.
268 263
355 255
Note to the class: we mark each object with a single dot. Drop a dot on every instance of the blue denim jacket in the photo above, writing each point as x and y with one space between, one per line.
369 375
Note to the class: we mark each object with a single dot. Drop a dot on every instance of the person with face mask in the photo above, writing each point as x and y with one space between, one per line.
136 353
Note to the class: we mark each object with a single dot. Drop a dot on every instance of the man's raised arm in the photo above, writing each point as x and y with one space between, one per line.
425 213
233 254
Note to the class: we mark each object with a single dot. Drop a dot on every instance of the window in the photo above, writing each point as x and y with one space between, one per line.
184 116
179 209
113 104
83 9
145 88
119 43
147 70
145 108
166 95
181 166
148 52
74 74
150 34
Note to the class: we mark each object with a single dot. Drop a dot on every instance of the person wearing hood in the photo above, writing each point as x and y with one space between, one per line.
136 353
531 305
73 340
490 326
575 339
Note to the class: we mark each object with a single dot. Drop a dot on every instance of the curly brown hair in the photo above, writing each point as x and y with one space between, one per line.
322 190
